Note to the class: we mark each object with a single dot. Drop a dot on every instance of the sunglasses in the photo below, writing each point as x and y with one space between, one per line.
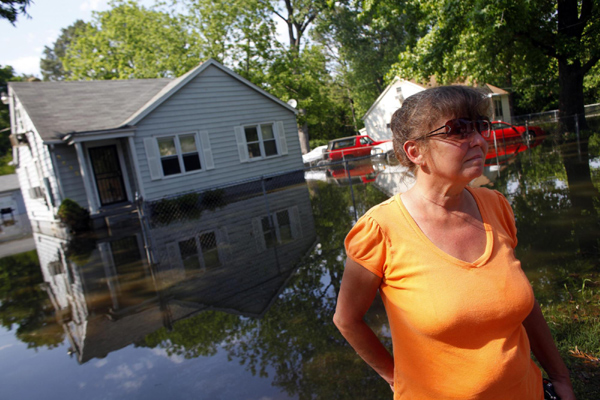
462 128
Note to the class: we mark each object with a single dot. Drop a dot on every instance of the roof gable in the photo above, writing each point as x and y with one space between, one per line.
60 108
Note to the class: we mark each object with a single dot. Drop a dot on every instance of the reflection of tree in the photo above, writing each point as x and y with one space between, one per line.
197 336
548 220
24 303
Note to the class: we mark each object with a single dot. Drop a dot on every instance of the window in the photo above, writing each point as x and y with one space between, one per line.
260 141
178 153
498 108
343 144
365 141
278 228
200 252
210 253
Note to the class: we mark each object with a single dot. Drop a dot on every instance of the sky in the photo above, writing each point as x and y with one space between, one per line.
22 46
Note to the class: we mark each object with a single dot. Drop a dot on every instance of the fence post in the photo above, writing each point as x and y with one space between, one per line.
351 190
526 134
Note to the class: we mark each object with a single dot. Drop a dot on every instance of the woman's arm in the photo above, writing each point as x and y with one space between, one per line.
544 349
358 289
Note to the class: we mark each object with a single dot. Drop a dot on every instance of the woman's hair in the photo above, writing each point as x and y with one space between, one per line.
421 110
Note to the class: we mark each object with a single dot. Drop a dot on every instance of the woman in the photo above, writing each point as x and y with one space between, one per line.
461 311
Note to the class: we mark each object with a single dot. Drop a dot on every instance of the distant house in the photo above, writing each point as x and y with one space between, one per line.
377 118
13 215
102 143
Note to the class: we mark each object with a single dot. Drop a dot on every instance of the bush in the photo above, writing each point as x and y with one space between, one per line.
75 217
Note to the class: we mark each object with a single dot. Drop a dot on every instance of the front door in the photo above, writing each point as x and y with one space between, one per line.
108 175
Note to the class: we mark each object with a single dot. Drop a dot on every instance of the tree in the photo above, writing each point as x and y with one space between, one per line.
513 44
51 65
24 304
365 40
129 41
10 9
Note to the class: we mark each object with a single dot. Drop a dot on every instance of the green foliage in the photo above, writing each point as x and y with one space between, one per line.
575 323
515 45
129 41
6 169
10 9
75 217
51 65
367 36
24 304
213 199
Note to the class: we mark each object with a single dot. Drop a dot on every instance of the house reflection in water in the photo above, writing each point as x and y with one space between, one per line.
235 258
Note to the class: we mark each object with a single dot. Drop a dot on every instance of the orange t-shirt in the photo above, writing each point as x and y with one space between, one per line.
456 326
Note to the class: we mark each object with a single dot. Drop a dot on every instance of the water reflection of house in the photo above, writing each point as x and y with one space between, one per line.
236 258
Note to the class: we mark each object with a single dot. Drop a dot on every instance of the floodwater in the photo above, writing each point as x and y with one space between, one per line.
235 301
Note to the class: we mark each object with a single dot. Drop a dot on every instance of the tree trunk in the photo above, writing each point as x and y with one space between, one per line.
583 195
303 136
570 101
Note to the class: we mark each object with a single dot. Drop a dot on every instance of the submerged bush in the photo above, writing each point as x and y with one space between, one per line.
75 217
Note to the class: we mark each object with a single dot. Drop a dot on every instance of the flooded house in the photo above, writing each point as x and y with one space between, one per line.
104 144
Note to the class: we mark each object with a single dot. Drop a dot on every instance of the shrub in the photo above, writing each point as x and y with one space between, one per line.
75 217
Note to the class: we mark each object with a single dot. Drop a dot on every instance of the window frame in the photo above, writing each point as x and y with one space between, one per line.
180 154
295 224
200 251
261 141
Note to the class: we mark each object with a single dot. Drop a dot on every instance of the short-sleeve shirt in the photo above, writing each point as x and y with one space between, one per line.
456 326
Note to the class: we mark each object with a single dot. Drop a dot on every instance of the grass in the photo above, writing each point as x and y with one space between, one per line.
6 169
575 325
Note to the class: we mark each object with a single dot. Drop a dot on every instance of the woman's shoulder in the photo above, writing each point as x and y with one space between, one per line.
488 196
384 210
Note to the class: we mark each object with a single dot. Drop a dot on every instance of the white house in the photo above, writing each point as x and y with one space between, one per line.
101 143
377 118
13 215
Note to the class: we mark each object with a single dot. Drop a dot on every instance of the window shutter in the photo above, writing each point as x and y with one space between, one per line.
295 222
240 138
282 142
259 237
153 158
174 256
206 150
223 245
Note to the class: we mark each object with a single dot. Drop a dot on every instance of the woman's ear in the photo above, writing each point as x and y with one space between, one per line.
414 152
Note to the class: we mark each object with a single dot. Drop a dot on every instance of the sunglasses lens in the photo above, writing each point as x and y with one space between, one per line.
484 127
461 128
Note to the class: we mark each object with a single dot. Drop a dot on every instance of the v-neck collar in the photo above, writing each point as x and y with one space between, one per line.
489 241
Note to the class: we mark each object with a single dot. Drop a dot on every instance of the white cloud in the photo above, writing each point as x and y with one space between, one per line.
101 363
6 346
25 65
92 5
176 359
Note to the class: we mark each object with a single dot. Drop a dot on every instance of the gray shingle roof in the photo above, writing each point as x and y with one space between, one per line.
60 108
9 183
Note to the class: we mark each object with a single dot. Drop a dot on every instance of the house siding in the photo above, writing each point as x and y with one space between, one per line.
215 102
246 260
70 176
376 122
34 164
